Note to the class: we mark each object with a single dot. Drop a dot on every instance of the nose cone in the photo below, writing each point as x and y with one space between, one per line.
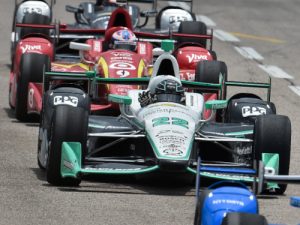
173 165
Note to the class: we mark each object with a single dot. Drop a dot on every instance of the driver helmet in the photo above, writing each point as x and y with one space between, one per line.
167 89
124 39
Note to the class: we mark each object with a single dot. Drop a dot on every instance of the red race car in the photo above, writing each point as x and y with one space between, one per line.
114 52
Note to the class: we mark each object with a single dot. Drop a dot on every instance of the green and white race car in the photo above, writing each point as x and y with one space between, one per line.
162 128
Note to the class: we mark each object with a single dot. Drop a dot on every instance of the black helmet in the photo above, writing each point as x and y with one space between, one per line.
169 90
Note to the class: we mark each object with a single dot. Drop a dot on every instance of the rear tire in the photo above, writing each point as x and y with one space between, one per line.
192 27
238 108
68 124
32 66
272 134
35 18
209 72
237 218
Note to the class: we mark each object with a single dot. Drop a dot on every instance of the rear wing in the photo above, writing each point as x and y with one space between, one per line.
62 31
154 2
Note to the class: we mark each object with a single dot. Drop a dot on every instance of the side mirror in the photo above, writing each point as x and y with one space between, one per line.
216 104
120 99
80 46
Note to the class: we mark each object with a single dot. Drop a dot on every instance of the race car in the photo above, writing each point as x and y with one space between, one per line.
29 11
231 202
96 15
37 52
161 128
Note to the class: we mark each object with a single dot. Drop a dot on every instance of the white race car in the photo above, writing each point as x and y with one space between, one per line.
161 128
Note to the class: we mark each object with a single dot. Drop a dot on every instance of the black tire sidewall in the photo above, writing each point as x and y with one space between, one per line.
192 27
272 134
32 66
68 124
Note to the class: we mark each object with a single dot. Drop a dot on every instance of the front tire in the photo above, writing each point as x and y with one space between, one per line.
32 67
272 134
237 218
68 124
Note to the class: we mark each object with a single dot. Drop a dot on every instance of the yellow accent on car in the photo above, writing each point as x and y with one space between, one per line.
104 66
141 68
69 66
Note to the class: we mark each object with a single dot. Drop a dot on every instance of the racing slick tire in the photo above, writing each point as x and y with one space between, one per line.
199 206
69 124
272 134
209 72
32 66
247 108
158 18
35 18
192 27
238 218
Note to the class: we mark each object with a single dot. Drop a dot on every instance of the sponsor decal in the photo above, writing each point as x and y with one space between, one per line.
228 201
123 73
244 150
66 100
228 176
142 48
253 111
97 46
32 10
166 140
187 75
173 150
122 66
68 165
157 109
30 97
167 120
27 48
121 59
176 19
195 58
122 54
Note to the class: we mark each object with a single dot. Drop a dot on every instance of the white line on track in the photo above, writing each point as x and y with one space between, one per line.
249 53
295 89
225 36
275 71
209 22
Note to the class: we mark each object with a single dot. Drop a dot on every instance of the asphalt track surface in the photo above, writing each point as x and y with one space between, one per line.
25 196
